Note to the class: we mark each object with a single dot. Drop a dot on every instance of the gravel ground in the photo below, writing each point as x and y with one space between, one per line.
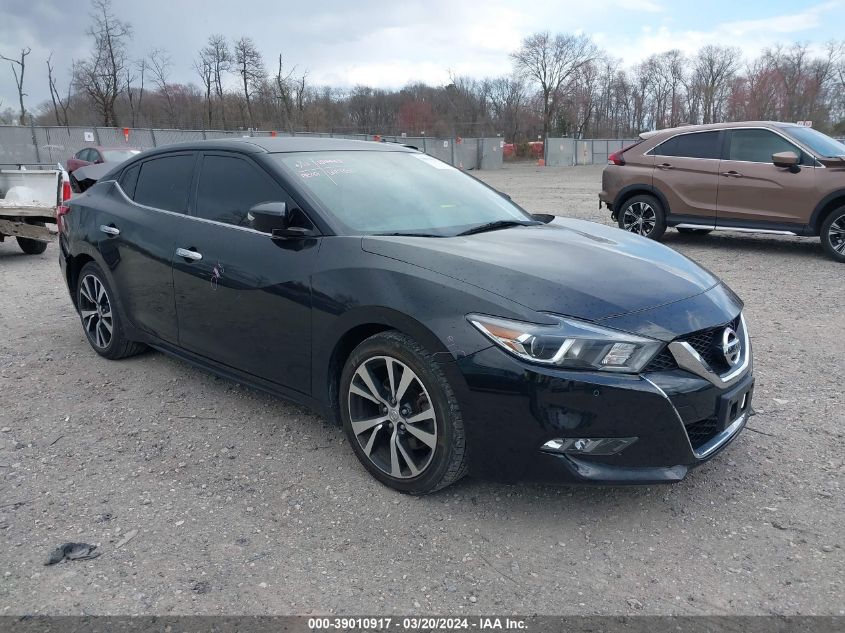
237 502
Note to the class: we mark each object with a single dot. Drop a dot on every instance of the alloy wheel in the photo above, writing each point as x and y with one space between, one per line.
639 218
392 417
95 309
836 234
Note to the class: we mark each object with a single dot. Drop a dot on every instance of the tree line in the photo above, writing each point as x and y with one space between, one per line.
558 85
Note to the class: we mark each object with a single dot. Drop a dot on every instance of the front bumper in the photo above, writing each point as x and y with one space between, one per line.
512 408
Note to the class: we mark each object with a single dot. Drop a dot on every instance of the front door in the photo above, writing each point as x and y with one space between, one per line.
753 191
243 299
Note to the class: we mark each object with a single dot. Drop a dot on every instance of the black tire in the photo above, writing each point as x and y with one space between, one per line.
832 236
447 458
31 247
648 208
688 231
95 326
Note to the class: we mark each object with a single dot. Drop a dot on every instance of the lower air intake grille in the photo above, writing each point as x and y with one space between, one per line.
702 432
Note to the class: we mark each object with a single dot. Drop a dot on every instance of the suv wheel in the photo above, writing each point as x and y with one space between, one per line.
644 216
100 318
833 234
401 416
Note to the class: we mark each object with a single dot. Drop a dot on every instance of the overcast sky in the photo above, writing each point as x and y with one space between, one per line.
390 43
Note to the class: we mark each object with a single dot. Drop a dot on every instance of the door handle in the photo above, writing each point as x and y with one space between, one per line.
665 166
109 230
732 174
189 254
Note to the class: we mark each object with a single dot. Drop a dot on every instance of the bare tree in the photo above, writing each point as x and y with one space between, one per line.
715 67
204 68
160 65
18 70
141 66
249 65
283 93
58 102
551 63
219 57
507 99
101 76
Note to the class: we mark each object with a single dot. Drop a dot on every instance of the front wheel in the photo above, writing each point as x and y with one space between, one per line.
401 416
833 235
643 215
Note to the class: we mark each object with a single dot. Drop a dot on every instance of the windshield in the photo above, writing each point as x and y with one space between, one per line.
820 144
119 155
397 192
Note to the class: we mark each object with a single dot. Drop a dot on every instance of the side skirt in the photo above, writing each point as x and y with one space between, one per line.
229 373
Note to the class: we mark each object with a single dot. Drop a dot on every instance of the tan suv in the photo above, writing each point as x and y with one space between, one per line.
756 176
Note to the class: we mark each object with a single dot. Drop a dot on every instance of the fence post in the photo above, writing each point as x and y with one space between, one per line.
153 135
97 135
453 152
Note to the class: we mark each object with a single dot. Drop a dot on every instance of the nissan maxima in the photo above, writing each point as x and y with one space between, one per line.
446 329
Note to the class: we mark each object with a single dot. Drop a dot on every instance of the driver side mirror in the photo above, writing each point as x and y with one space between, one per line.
269 217
788 160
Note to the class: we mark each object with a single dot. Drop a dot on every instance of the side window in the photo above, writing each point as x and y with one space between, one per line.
85 154
164 182
695 145
757 146
129 179
229 187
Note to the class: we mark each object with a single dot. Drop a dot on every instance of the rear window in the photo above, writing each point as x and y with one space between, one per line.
129 179
163 183
695 145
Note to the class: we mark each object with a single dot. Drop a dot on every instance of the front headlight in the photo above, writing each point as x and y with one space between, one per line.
569 343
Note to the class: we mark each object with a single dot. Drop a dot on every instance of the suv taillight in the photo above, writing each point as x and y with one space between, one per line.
616 158
66 192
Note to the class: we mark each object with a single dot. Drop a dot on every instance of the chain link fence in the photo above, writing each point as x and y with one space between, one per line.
20 145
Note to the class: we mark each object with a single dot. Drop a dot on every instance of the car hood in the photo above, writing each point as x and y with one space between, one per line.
568 267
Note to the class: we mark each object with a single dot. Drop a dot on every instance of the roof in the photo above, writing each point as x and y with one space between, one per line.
715 126
278 144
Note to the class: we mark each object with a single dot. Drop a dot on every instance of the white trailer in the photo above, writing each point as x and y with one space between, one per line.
29 198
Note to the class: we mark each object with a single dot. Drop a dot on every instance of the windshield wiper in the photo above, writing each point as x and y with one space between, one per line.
498 224
406 234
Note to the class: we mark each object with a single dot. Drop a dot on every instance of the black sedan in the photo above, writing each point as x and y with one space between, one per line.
447 329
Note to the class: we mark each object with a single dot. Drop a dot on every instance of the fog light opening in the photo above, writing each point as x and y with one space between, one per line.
588 445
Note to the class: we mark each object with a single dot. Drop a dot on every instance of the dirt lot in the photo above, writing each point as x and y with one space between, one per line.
242 503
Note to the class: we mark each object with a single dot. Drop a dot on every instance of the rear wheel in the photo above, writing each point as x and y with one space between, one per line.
100 318
29 246
688 231
643 215
401 416
833 234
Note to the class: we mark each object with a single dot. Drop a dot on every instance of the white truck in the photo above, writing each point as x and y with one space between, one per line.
29 199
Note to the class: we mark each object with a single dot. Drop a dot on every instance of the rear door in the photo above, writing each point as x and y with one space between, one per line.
754 192
243 298
686 172
136 239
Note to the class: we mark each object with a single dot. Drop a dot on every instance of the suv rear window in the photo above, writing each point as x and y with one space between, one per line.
164 182
694 145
